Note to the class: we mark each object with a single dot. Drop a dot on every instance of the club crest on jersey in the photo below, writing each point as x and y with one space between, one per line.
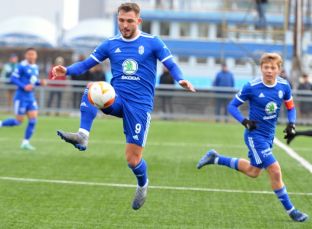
271 108
280 94
129 67
141 50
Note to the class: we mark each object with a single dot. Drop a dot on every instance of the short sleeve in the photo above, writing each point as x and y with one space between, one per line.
100 53
244 94
161 50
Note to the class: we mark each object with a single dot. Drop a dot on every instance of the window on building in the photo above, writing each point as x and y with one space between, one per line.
146 26
221 30
241 62
185 29
164 28
201 60
183 59
203 30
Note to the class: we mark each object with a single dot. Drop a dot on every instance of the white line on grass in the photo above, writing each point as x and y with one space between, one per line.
294 155
115 185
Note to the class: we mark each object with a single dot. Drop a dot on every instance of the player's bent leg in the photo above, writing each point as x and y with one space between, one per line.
280 191
139 167
245 167
10 122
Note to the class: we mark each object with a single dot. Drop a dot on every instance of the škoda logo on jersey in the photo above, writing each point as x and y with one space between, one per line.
129 67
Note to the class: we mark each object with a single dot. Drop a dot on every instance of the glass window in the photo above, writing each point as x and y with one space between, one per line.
183 59
164 28
221 28
241 62
185 29
203 29
146 26
201 60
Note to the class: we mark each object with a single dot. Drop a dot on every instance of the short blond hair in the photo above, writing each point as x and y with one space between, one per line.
271 57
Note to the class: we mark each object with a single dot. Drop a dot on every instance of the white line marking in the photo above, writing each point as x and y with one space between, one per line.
151 143
114 185
294 155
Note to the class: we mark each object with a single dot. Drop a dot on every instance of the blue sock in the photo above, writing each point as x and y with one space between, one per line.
227 161
283 197
87 111
11 122
140 171
30 128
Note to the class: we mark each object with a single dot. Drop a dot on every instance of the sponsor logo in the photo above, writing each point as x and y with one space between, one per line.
280 94
270 108
33 79
129 67
141 50
135 137
130 78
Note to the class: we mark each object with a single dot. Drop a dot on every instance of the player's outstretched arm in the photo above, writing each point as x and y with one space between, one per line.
176 73
74 69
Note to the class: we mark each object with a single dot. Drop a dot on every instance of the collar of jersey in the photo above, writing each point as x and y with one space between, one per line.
133 39
273 85
25 62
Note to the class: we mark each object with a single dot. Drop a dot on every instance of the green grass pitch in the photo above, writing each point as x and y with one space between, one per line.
172 151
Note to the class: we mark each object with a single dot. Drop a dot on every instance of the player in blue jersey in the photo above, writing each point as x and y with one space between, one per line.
25 77
133 55
265 96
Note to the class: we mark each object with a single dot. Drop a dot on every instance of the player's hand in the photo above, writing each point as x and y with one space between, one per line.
43 82
290 132
187 85
58 71
29 87
249 124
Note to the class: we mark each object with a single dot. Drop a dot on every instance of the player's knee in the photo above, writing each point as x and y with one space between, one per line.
254 173
276 175
133 159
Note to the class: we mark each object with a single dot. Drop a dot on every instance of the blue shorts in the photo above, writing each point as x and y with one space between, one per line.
136 120
260 151
22 106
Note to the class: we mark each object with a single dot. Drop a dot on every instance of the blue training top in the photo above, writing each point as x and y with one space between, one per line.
264 104
24 74
133 63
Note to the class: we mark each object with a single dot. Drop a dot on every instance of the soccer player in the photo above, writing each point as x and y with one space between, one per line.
290 137
25 77
265 96
133 55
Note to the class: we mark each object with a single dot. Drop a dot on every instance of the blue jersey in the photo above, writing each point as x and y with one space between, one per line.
24 74
264 103
133 63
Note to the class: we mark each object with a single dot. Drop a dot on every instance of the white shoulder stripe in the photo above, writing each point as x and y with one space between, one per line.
282 81
146 35
255 82
168 57
239 99
94 58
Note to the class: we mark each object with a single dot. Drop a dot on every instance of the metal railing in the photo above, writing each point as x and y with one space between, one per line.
171 102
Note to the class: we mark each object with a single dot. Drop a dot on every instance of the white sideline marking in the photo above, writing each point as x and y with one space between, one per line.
86 183
294 155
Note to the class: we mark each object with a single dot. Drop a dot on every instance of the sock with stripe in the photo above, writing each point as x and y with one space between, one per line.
140 171
283 197
87 112
227 161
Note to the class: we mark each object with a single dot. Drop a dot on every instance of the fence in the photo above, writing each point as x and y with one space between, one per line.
170 102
